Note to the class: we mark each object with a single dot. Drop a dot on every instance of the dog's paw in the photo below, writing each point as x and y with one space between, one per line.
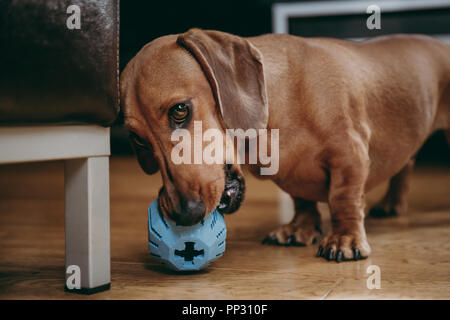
344 247
291 235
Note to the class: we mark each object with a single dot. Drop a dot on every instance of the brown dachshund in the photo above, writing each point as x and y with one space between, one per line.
350 116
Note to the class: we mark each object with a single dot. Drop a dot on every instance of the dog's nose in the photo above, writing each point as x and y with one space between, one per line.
192 212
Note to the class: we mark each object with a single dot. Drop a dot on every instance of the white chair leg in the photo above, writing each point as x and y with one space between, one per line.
87 223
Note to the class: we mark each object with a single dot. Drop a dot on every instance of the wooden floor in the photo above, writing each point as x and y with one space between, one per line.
413 252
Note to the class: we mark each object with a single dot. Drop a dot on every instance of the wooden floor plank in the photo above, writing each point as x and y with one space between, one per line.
413 252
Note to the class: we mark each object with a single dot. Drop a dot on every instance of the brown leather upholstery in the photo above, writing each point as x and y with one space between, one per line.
50 74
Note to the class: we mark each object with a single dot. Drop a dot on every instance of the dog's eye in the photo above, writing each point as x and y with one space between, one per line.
179 112
138 140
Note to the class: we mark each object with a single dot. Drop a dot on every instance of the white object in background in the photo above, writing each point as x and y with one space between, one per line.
286 207
282 12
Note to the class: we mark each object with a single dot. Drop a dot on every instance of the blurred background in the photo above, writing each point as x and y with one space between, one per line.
143 21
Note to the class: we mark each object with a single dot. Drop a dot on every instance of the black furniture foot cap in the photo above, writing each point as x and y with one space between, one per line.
89 290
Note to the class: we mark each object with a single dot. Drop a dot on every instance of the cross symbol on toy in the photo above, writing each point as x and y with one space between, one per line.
189 252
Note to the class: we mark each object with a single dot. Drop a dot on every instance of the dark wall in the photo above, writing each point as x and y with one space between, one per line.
143 21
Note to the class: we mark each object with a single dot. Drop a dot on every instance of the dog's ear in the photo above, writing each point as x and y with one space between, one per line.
234 69
144 151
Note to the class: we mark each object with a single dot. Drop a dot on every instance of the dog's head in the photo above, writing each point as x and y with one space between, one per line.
206 76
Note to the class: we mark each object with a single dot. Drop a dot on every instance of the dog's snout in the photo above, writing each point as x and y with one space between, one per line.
192 212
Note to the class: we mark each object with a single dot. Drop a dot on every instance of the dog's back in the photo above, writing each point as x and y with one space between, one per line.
429 61
399 85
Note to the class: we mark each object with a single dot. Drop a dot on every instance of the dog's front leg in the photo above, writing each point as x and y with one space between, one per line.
348 174
304 229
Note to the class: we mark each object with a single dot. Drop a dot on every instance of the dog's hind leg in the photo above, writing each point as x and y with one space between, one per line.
395 202
304 229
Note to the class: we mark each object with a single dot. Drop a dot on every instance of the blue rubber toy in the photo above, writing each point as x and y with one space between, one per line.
184 248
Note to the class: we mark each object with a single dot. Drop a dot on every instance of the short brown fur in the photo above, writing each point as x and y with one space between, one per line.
350 116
